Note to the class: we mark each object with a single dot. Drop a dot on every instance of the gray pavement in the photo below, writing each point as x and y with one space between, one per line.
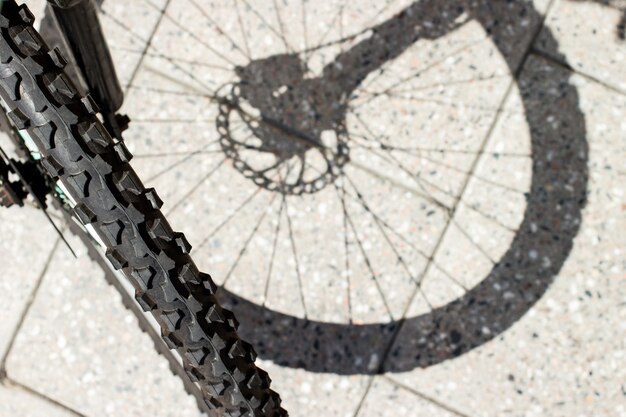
467 261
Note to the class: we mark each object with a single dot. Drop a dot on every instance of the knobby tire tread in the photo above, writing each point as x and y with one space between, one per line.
78 151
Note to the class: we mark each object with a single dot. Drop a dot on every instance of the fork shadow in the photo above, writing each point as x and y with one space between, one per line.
516 282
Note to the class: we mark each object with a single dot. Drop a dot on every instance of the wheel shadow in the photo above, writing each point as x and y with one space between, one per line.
537 253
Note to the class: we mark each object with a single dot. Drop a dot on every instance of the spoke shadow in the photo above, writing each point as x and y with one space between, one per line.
543 240
517 281
542 243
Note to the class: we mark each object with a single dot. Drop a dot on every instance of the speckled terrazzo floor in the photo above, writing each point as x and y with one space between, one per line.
465 259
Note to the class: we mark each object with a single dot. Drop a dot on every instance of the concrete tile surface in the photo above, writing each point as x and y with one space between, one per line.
27 241
17 402
305 393
469 248
85 350
582 26
388 398
126 38
560 358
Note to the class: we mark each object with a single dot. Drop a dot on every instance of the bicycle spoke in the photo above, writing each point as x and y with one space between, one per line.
379 13
457 104
295 256
420 71
219 30
243 29
206 92
459 199
342 39
419 149
347 253
173 121
305 31
442 190
283 35
450 167
186 154
472 174
273 255
164 155
395 250
170 57
179 162
275 165
426 194
170 167
247 241
387 226
448 275
170 92
487 216
366 258
439 84
436 63
184 29
173 61
473 242
229 217
379 219
337 17
278 33
428 258
147 45
446 192
383 225
124 49
193 189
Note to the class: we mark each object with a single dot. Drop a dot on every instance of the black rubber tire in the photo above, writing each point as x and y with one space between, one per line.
78 151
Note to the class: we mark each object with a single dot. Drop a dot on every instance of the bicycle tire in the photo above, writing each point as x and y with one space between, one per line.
54 36
78 151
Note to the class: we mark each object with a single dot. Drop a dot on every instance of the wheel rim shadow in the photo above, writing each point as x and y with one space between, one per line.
537 253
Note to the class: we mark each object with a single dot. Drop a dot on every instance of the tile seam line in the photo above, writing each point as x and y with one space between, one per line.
566 66
515 77
364 396
28 304
12 384
423 396
443 234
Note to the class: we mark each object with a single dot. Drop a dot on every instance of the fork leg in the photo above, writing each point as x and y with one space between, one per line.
79 22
